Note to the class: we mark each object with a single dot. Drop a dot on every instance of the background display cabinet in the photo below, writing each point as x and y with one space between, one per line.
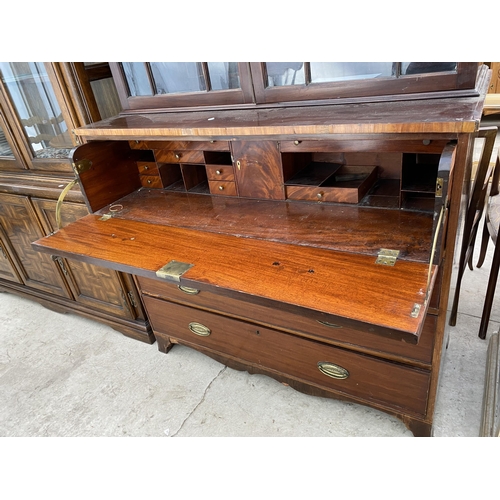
36 142
309 240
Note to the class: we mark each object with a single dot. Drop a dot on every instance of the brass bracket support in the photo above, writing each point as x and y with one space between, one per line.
173 270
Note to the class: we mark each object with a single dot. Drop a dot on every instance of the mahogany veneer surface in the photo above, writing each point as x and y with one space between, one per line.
335 227
453 115
349 285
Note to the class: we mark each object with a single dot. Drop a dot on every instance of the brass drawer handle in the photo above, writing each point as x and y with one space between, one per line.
218 172
199 329
188 290
178 156
332 370
329 325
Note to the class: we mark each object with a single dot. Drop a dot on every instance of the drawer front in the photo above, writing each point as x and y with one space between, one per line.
148 168
225 188
220 172
179 156
328 367
333 195
181 145
321 327
151 181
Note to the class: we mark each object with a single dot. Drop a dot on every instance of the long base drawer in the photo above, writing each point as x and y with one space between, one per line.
365 377
320 327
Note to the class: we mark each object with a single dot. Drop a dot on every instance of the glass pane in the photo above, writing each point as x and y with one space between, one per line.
413 68
136 75
285 73
174 77
4 146
106 97
340 71
38 110
224 75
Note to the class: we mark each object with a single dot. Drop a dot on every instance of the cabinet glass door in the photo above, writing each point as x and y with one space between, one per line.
5 151
10 158
278 82
143 85
33 99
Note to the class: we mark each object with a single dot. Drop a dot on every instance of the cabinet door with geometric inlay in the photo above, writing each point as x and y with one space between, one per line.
92 286
7 269
21 226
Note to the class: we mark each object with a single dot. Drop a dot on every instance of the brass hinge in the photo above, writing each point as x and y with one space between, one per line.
59 261
132 298
387 257
439 187
82 166
415 311
173 270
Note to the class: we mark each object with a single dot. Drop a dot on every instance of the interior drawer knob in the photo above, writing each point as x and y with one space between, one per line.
221 188
199 329
332 370
218 172
178 156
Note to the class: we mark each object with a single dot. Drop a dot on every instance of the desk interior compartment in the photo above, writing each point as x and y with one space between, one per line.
418 181
308 179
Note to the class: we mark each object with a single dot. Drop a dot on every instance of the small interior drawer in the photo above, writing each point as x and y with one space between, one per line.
148 168
225 188
151 181
220 172
179 156
324 366
344 184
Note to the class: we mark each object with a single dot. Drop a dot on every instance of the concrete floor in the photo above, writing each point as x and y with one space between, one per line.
63 375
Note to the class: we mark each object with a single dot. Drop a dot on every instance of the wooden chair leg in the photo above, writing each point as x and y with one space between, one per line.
484 245
490 293
461 268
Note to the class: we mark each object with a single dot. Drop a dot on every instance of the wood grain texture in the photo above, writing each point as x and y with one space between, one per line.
315 325
258 170
338 283
335 227
369 378
453 115
113 173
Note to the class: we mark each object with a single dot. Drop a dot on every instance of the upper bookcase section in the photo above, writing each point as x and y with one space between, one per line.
163 86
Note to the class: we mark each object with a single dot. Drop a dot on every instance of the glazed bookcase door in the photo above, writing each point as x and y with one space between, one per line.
10 158
302 81
92 286
146 85
40 126
21 226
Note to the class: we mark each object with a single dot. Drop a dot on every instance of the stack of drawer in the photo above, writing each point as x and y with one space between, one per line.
221 179
311 350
